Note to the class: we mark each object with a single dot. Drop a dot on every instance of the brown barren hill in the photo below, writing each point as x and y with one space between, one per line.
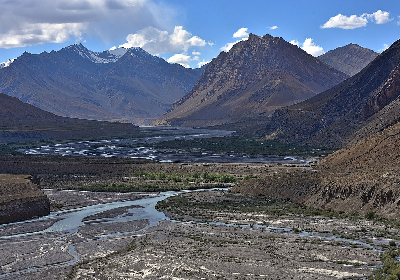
253 79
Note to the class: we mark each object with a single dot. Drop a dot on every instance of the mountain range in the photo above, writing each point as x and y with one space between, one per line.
254 78
362 105
122 84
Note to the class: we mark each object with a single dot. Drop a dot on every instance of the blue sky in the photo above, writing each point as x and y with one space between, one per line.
192 32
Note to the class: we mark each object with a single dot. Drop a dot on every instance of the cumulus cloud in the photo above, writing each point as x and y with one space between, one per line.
241 33
31 22
309 46
273 27
180 58
345 22
197 41
354 21
380 17
157 41
295 42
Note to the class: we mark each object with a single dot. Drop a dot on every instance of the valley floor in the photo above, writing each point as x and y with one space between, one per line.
210 235
214 234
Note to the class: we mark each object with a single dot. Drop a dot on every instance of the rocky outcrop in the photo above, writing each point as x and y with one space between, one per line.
349 59
20 199
253 79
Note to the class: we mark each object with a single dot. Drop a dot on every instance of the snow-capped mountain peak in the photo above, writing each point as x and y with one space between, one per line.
6 63
110 56
97 57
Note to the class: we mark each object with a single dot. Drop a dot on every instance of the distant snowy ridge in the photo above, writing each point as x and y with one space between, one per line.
99 57
108 56
6 63
104 57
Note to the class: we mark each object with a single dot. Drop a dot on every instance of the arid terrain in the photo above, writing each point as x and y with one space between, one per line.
211 235
214 234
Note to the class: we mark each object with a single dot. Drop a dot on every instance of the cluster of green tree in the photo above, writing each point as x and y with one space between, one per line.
242 145
390 265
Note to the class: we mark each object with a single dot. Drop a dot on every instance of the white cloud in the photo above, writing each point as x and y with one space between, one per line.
241 33
345 22
196 53
157 41
380 17
31 22
38 33
309 46
180 37
181 59
354 21
273 27
398 22
197 41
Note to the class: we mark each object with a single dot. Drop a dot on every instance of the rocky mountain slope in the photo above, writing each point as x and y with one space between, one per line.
21 122
254 78
360 106
349 59
123 84
379 151
363 178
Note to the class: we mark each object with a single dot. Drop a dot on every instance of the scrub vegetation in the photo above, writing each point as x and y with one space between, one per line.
149 181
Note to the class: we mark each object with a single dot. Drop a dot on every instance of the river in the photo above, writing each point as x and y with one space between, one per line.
65 231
